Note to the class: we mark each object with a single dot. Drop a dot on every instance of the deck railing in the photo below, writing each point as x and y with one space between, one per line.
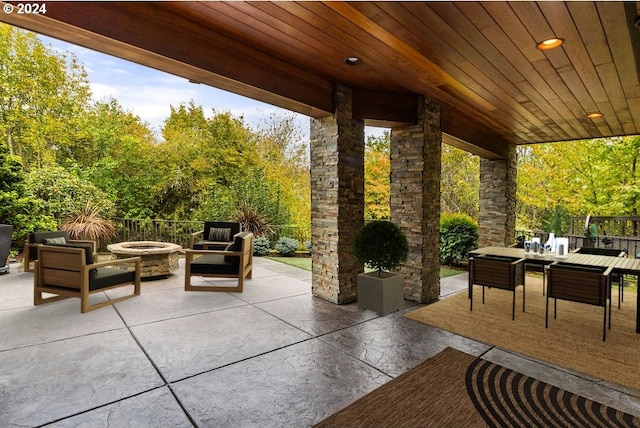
621 233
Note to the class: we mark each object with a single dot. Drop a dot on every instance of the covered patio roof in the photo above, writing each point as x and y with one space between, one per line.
478 60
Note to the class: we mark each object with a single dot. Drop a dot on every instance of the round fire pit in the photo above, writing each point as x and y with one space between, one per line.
159 259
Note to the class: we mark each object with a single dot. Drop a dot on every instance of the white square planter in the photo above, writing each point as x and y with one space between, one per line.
382 294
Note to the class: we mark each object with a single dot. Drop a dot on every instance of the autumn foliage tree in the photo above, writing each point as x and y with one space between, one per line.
377 169
597 177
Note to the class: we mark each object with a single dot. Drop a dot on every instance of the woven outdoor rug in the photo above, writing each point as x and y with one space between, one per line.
455 389
573 340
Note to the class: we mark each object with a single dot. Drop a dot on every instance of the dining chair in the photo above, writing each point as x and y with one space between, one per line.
579 283
615 277
505 273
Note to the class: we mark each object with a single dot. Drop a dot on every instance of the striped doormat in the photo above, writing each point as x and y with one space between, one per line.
455 389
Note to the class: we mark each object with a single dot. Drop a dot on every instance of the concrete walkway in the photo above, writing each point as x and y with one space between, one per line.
272 356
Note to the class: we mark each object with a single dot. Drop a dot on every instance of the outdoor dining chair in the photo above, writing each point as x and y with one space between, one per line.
505 273
615 277
579 283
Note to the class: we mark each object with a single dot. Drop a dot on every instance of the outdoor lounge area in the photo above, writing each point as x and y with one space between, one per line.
271 356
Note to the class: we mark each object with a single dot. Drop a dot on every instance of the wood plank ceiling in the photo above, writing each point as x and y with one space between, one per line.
478 60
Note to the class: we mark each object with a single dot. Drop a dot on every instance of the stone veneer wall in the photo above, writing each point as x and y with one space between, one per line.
337 200
416 153
498 185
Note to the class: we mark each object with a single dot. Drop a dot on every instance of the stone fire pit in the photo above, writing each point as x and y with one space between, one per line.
159 259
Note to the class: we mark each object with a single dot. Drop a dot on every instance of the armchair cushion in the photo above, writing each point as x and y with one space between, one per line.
214 264
107 277
40 237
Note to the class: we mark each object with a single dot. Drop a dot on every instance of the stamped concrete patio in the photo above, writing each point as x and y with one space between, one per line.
272 356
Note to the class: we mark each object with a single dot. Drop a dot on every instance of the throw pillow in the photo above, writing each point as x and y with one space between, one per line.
60 240
220 234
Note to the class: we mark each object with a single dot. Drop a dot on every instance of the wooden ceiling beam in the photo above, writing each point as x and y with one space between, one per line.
114 28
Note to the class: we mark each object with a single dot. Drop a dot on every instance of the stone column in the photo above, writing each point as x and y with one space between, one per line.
337 200
497 216
416 153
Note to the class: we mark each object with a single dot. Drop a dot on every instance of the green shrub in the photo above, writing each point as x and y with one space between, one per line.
261 246
17 207
287 246
307 245
380 245
458 235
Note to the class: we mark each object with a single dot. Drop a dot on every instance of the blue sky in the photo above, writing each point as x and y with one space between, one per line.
149 93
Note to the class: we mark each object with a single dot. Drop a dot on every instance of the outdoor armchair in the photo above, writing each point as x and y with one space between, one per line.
38 238
505 273
579 283
67 270
216 235
236 261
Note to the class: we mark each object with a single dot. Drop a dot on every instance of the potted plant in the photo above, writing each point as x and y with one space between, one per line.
380 245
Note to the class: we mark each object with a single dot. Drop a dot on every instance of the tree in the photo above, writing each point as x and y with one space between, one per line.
206 160
460 181
43 94
116 152
284 160
597 177
377 169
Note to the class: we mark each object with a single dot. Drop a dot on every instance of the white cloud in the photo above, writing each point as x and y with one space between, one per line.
100 91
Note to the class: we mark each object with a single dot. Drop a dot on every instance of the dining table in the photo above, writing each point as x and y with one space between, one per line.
621 265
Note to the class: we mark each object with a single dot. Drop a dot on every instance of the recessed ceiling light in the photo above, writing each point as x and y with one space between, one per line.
596 115
352 60
552 43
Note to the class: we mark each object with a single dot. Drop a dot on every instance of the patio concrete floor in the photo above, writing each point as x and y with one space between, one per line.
272 356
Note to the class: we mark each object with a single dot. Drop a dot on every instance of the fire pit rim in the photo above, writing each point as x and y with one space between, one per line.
135 248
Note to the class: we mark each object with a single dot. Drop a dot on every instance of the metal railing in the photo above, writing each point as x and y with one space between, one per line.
178 231
173 231
620 233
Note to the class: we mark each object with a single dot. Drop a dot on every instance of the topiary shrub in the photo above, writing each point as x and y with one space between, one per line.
261 247
286 246
458 235
380 245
